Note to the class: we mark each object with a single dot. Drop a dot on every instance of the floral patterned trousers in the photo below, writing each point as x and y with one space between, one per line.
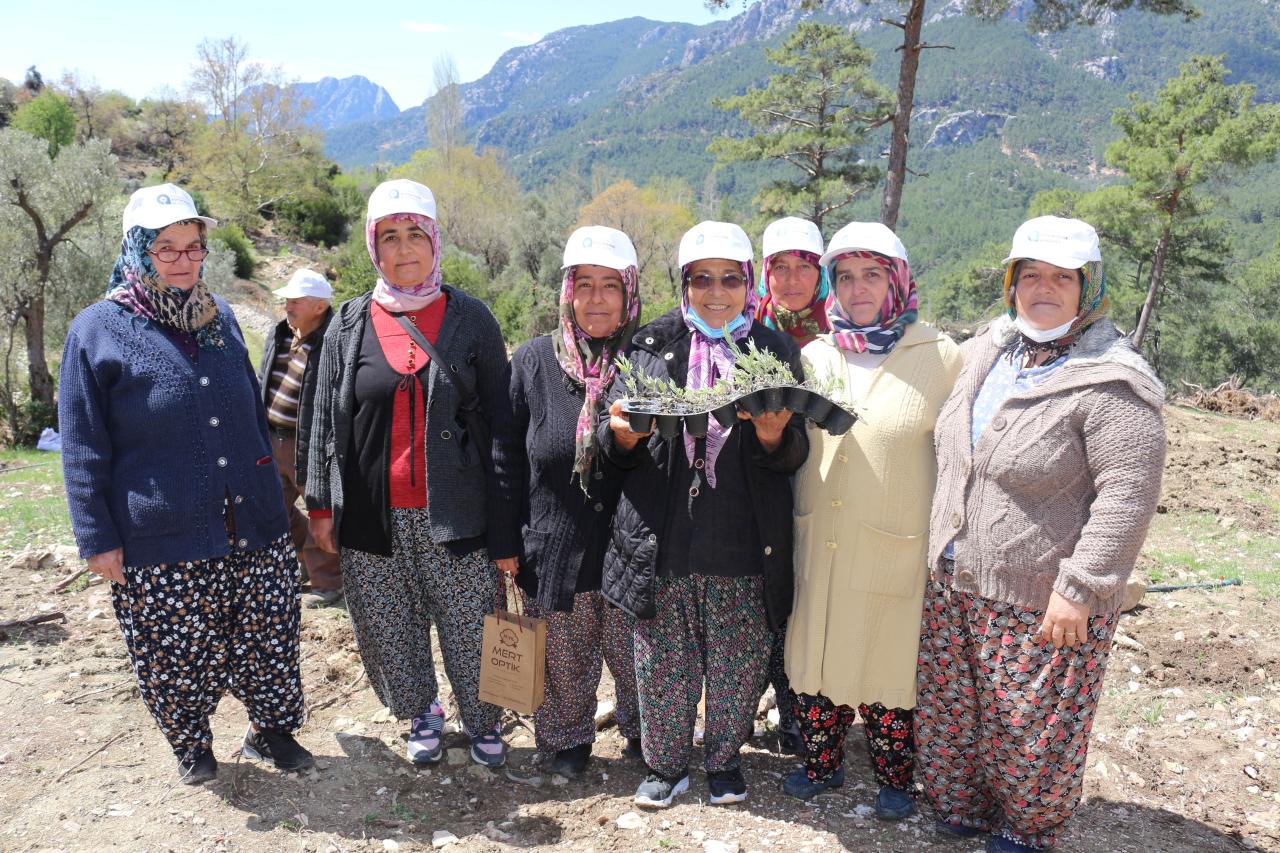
1003 719
578 644
824 724
195 629
706 627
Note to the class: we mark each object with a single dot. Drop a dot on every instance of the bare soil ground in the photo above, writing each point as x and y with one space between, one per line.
1184 754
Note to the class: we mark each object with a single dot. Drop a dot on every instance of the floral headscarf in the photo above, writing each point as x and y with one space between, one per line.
807 323
900 308
590 361
711 356
137 286
412 298
1094 304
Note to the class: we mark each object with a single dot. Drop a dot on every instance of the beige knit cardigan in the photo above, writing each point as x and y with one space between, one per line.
1059 491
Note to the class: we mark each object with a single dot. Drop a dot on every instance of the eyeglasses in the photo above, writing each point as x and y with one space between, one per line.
168 256
704 281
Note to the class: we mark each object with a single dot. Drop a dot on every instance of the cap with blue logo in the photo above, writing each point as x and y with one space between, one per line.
401 196
599 245
1066 243
156 207
710 239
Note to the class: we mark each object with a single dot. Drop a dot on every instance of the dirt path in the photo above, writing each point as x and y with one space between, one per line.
1184 754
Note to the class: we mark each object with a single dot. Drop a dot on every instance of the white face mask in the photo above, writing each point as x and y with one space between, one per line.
1042 336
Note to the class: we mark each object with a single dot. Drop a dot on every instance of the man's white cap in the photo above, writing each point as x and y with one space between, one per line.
714 240
866 237
156 207
1066 243
791 233
401 196
599 245
305 282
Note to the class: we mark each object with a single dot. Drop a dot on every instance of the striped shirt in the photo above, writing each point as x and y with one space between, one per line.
284 386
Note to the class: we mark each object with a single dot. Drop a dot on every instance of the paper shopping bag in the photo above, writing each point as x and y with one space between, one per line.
514 655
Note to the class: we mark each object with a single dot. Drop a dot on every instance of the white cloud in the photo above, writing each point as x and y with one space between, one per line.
519 36
424 27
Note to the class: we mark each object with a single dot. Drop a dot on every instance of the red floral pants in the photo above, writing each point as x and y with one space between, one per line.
1003 719
824 724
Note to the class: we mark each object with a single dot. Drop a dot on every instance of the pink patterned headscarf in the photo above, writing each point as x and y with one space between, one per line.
710 358
900 308
413 298
590 361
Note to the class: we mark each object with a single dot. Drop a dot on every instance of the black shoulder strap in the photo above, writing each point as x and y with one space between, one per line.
468 395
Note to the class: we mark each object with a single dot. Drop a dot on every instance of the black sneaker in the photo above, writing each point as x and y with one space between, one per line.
285 752
570 762
632 749
727 787
657 791
202 768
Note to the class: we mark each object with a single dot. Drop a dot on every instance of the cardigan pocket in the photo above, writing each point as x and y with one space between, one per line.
154 512
888 564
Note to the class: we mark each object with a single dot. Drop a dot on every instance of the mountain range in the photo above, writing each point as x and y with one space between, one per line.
334 103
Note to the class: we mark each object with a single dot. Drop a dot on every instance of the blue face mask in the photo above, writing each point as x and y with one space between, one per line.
691 315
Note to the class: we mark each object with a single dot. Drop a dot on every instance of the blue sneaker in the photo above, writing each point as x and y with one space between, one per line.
488 750
1000 844
894 804
426 744
799 785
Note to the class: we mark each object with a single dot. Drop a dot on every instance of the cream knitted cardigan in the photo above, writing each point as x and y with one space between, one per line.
1060 489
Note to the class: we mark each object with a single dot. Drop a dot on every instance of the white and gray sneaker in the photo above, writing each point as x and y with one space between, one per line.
657 791
426 736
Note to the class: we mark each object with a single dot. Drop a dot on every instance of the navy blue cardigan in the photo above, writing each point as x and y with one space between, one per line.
152 441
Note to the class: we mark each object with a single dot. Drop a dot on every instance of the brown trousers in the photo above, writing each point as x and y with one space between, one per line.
322 568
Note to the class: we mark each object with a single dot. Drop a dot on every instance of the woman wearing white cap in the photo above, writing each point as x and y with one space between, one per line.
1050 451
568 493
701 546
793 292
173 494
862 513
399 479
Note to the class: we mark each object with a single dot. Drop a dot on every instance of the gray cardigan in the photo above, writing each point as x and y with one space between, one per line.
466 500
1059 491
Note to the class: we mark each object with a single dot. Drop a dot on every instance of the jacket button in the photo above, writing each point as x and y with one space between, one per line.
239 499
699 463
768 549
998 422
213 422
693 492
222 462
648 340
831 545
965 576
837 503
599 507
446 435
244 543
204 380
653 537
599 475
843 458
955 520
668 356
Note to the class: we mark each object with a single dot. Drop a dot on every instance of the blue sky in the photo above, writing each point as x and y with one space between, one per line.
140 48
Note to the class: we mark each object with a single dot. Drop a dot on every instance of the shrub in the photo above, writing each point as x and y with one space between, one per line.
232 236
320 219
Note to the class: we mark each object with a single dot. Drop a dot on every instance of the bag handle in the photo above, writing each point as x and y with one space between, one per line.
517 596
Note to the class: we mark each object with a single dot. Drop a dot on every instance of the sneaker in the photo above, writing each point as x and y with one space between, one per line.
657 791
202 768
799 785
789 740
317 598
957 830
570 762
727 787
488 750
285 752
426 744
894 804
1001 844
633 749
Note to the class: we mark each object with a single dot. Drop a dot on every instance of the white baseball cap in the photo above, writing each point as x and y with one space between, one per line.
714 240
305 282
156 207
1066 243
401 196
867 237
599 245
791 233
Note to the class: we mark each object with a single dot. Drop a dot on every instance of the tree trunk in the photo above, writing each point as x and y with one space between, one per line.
907 68
1153 292
39 379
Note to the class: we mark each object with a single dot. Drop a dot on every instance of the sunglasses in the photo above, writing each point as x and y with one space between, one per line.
705 281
